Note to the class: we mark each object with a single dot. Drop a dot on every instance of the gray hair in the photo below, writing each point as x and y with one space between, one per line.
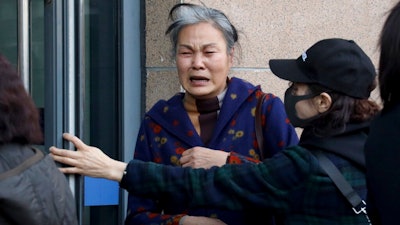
184 14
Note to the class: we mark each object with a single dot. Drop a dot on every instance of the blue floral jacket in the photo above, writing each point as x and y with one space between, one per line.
167 131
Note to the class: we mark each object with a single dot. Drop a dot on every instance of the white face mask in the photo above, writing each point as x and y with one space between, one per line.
290 107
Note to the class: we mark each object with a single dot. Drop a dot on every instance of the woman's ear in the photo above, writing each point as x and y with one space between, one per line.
323 102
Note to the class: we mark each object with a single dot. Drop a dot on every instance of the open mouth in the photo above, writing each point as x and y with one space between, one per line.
199 79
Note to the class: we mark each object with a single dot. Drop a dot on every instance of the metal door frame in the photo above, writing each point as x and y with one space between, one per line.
65 77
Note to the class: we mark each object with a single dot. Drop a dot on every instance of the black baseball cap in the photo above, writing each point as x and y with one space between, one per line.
338 64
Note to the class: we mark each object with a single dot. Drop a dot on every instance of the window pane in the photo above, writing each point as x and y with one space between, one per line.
9 28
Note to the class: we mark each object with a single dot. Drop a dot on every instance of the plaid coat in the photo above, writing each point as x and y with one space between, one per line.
166 131
290 182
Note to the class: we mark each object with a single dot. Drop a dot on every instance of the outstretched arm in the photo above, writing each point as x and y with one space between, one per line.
87 160
234 187
268 184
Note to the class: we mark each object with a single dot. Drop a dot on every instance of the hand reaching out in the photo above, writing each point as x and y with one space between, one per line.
87 160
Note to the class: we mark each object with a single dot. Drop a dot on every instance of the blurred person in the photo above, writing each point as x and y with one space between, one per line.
330 86
382 151
32 190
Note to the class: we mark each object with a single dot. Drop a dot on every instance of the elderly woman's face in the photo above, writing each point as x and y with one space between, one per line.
202 60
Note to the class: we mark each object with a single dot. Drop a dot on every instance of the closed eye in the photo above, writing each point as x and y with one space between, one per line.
185 53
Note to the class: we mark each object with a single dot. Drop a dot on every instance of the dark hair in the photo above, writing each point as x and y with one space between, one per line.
389 62
19 118
184 14
344 109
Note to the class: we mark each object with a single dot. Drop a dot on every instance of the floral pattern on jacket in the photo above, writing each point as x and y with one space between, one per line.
166 131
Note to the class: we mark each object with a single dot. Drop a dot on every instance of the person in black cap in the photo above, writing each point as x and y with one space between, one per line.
382 153
328 97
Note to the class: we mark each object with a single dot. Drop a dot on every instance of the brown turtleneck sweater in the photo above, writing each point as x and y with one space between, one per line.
203 114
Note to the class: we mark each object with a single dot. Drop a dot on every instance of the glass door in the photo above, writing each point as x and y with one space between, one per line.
22 42
102 91
82 83
68 54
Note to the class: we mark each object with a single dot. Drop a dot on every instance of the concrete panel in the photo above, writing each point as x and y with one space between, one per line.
157 44
269 29
161 84
285 28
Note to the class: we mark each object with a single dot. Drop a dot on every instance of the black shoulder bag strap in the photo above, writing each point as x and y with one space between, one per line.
359 205
258 125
